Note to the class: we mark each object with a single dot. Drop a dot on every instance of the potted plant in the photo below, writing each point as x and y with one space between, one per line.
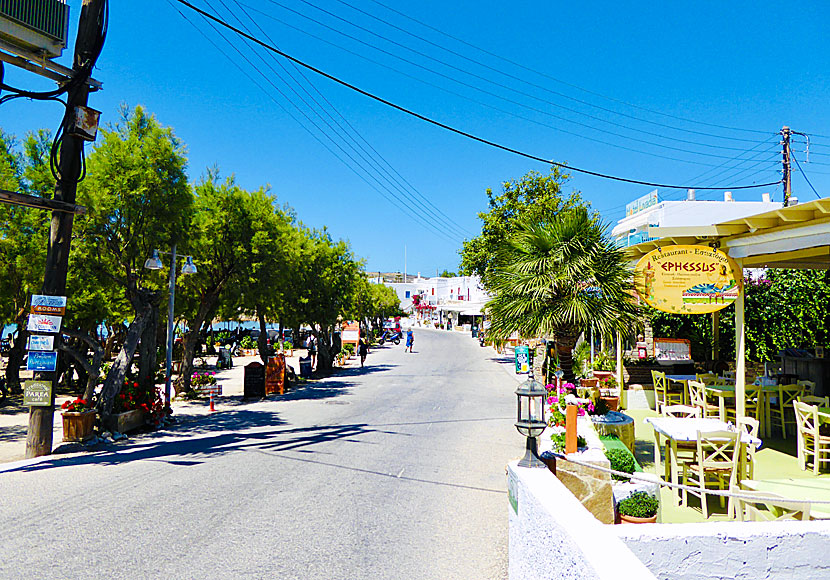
621 460
609 393
134 406
78 420
638 508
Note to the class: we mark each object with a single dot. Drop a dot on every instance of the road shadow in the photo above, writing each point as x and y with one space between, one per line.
12 432
501 359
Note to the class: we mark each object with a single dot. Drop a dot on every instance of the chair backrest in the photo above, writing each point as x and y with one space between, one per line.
773 508
706 378
681 411
697 394
809 387
749 426
806 417
658 378
813 400
717 449
787 394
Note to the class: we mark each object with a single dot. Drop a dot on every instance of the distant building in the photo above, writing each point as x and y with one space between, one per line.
649 211
459 299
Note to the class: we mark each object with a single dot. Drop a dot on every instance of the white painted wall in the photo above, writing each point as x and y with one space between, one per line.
554 537
732 550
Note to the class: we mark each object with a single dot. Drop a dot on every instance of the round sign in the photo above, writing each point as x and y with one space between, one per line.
688 279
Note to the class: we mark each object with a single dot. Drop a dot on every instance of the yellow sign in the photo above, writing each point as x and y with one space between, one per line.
688 279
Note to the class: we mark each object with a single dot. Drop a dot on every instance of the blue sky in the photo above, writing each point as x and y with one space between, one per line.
683 94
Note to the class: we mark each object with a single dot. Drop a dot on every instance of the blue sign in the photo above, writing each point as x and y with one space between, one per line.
42 361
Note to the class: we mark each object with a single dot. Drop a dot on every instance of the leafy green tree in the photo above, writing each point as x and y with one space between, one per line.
532 198
446 273
139 200
557 275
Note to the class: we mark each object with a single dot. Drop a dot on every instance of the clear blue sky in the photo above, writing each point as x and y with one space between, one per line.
677 78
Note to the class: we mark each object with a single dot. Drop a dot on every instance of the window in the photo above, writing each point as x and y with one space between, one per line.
407 293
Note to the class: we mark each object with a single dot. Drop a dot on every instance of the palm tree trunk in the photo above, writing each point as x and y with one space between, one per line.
564 350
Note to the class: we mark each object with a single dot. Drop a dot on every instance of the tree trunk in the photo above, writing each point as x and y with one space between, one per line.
91 369
148 349
564 350
324 354
16 358
115 378
262 341
191 339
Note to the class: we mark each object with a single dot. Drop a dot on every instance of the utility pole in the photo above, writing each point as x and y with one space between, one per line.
41 419
785 142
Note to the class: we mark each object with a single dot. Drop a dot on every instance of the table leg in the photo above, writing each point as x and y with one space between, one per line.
722 407
674 469
657 453
767 426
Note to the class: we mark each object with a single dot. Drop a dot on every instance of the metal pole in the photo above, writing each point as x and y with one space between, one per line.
592 346
172 297
740 350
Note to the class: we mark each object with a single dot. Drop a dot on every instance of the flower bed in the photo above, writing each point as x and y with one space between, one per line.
147 399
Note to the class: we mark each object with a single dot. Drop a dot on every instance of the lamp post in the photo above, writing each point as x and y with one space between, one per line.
531 418
155 263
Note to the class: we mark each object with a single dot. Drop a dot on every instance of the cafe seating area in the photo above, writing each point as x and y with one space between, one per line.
779 450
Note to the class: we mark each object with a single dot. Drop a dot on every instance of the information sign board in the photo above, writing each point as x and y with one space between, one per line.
41 342
37 393
522 360
42 361
42 304
44 323
688 279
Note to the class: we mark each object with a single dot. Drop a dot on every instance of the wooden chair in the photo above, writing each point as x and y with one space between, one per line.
781 411
717 462
710 379
749 426
697 394
660 390
681 411
811 443
808 387
773 508
813 400
753 404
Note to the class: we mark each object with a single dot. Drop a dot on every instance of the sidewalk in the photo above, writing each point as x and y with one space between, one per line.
14 417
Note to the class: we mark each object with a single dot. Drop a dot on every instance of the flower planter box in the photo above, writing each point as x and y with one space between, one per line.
78 427
125 422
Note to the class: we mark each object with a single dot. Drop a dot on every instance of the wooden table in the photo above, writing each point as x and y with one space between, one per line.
797 489
675 429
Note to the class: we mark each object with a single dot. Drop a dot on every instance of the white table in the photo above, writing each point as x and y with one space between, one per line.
675 429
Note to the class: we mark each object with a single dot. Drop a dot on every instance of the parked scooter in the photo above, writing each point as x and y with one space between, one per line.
481 338
392 336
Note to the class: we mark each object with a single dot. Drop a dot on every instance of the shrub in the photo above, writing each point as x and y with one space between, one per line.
639 505
621 460
247 343
349 347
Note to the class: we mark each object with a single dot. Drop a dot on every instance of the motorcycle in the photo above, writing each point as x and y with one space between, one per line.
394 337
481 339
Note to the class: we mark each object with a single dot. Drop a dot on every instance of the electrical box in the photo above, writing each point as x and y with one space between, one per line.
34 26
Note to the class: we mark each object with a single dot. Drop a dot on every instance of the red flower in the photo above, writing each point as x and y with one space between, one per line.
135 385
65 405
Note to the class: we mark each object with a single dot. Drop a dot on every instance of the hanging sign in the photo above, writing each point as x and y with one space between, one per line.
55 305
37 393
522 360
41 342
350 333
44 323
688 279
42 361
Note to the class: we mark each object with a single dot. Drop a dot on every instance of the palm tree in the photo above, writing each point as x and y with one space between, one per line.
556 277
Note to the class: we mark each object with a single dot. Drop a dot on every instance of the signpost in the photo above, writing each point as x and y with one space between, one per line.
37 393
39 361
44 323
688 279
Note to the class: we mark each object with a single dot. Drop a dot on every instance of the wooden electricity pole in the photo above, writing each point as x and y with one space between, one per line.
39 435
785 153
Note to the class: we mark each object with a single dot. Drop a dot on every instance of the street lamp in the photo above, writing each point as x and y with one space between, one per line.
154 263
530 422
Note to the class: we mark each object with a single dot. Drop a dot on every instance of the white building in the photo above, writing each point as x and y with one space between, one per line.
649 212
459 299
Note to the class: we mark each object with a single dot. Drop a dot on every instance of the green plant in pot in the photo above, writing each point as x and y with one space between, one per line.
638 508
621 460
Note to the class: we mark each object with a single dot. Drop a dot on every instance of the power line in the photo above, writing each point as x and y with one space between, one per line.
487 80
403 207
793 157
454 79
440 124
567 84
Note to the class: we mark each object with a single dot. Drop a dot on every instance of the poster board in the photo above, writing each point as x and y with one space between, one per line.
350 333
275 375
688 279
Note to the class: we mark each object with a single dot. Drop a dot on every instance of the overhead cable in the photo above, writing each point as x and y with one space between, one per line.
443 125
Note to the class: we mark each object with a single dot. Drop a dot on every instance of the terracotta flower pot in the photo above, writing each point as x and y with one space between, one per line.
613 403
78 427
624 519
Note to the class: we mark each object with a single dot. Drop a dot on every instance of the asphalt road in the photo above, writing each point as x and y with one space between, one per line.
392 471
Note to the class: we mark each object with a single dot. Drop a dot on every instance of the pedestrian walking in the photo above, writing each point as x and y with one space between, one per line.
311 346
410 340
362 350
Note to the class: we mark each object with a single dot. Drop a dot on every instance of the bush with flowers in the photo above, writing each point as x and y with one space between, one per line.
202 379
559 398
79 405
135 396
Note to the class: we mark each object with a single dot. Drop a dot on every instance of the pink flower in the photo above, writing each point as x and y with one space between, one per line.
580 411
552 400
590 406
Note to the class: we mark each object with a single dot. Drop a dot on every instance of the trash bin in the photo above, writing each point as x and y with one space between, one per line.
475 331
305 367
225 361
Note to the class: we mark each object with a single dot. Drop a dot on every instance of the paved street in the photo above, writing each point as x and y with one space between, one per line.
392 471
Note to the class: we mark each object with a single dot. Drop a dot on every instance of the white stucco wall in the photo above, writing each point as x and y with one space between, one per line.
552 536
732 550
